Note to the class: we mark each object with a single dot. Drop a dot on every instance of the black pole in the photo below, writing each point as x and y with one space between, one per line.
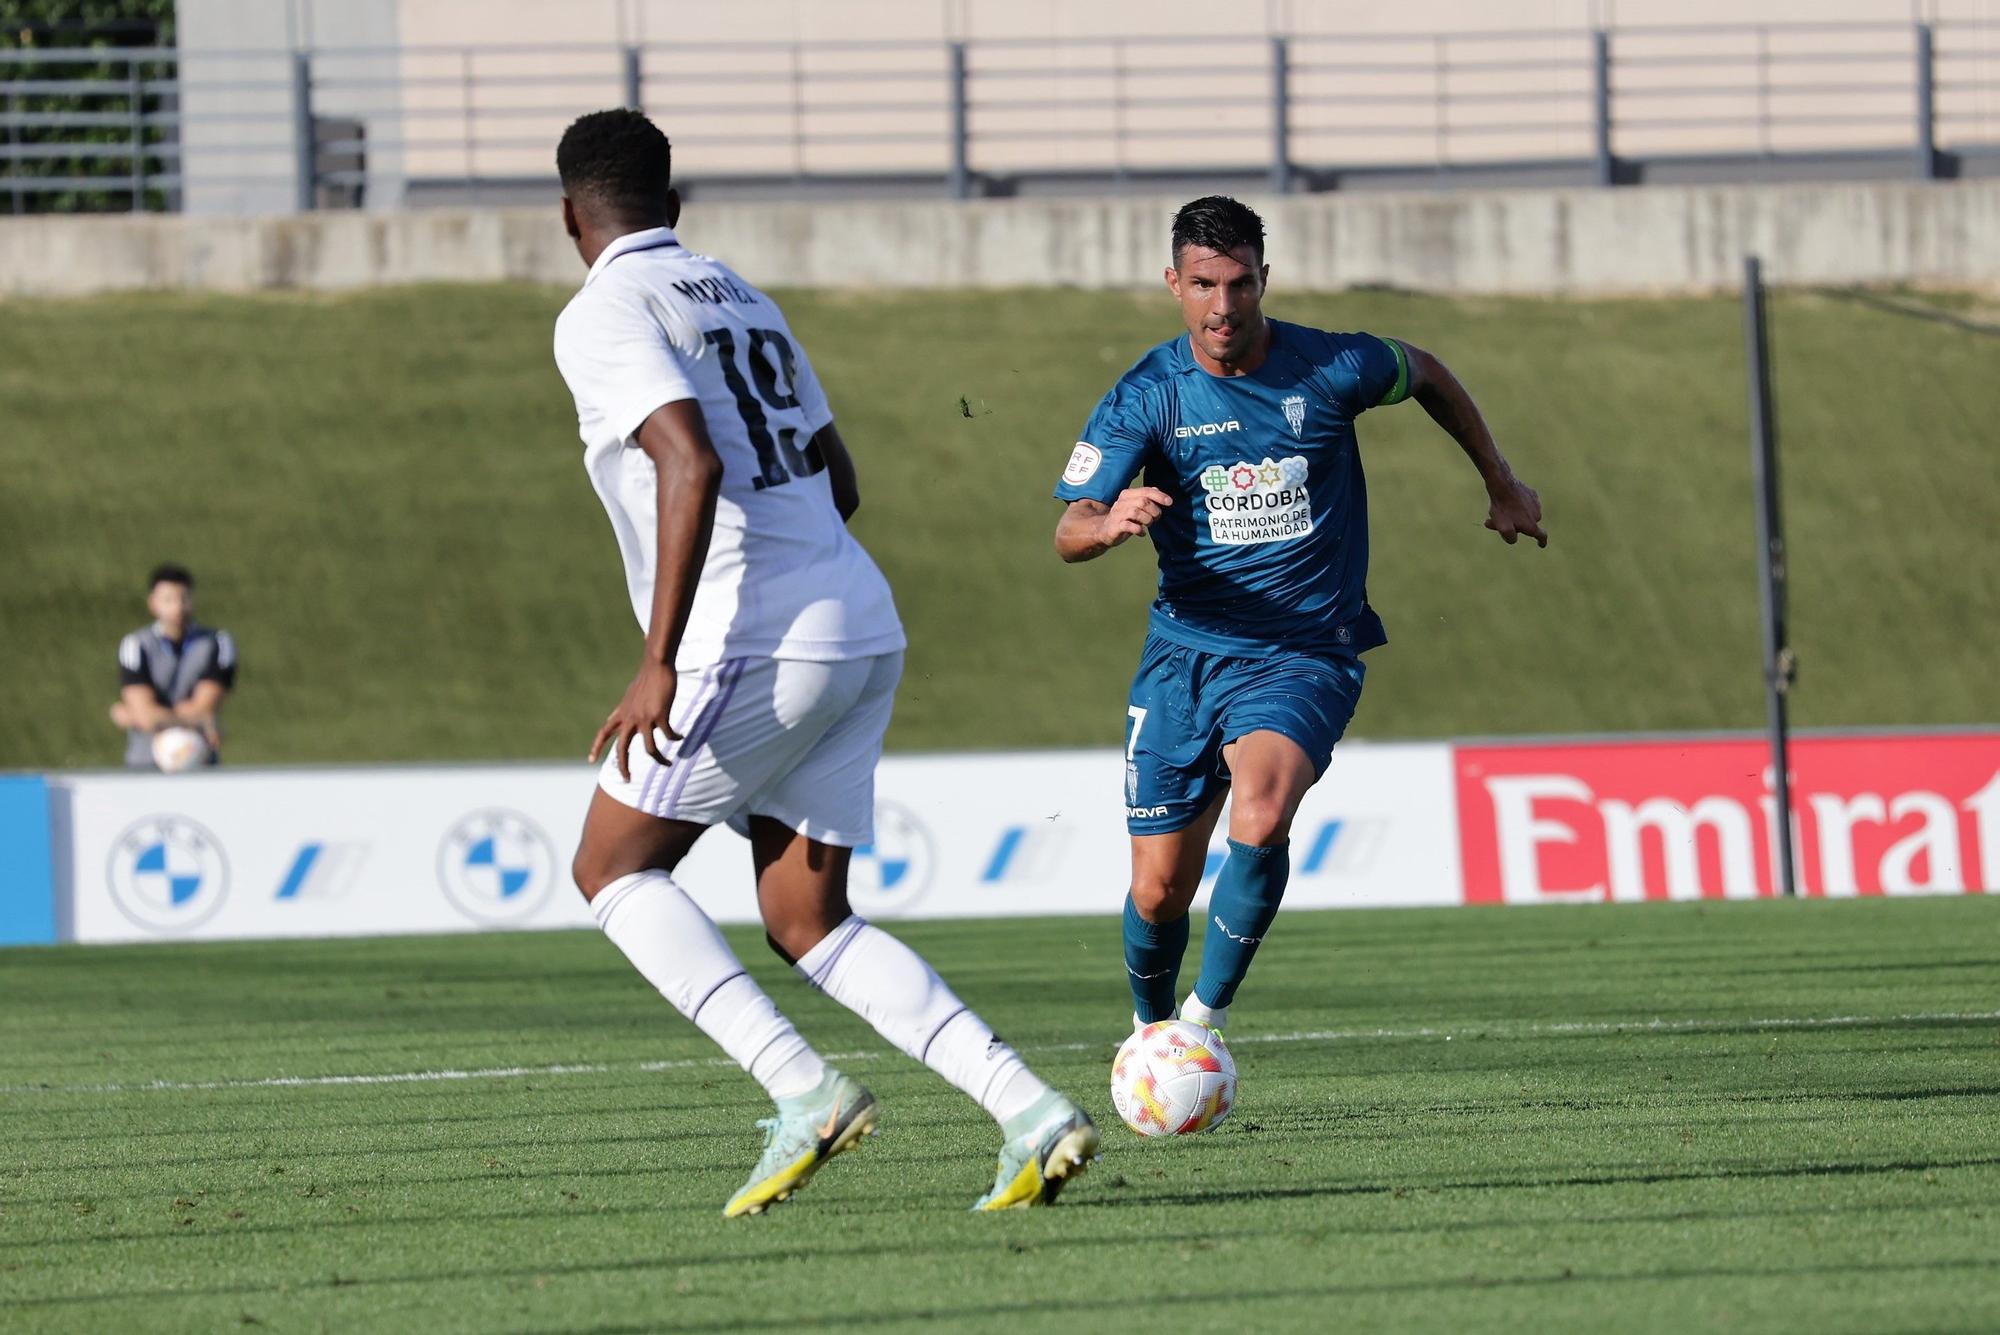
1779 665
1600 65
1281 116
960 179
1927 155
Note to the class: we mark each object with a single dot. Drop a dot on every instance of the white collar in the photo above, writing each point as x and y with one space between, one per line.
652 238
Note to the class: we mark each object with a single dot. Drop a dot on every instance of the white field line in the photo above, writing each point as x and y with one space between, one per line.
1495 1029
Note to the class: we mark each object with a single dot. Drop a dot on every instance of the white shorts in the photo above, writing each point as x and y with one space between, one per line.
795 741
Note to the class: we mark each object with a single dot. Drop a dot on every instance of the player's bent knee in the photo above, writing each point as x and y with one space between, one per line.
592 872
792 939
1158 899
1259 819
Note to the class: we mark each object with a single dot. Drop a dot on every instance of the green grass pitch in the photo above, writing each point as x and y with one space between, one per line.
1731 1117
383 498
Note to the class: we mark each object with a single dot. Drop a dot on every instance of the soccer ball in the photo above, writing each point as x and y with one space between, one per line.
1173 1078
177 749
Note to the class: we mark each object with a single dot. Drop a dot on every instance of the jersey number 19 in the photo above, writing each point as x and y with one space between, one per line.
779 461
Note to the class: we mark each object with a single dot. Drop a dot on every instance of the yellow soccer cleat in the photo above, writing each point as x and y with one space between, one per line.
1050 1143
807 1132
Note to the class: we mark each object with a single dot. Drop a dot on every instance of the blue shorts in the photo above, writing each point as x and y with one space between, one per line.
1187 705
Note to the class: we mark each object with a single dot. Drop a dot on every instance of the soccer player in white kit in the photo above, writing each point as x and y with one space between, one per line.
771 660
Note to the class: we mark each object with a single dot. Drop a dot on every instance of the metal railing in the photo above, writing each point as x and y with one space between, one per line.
97 128
161 129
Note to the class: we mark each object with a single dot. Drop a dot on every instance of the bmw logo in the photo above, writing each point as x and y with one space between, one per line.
893 872
167 874
496 866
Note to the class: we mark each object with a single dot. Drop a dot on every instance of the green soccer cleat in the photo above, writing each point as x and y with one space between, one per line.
807 1131
1050 1143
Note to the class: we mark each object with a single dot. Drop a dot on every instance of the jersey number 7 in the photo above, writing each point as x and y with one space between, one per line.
779 461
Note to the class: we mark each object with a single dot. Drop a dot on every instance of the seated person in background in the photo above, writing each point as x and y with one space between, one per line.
173 673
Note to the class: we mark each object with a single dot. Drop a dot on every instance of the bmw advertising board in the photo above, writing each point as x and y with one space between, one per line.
167 874
356 852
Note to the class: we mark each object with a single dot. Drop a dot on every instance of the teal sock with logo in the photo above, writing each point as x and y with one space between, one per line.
1153 953
1240 911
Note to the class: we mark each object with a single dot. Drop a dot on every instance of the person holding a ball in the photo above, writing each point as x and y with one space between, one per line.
173 678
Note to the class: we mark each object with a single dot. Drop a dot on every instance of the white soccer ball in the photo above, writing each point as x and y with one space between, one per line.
177 749
1173 1078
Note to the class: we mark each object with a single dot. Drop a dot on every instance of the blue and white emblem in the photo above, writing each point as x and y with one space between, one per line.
892 871
167 874
1295 414
496 866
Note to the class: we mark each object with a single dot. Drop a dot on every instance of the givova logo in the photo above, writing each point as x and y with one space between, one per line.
1206 429
167 874
894 870
496 866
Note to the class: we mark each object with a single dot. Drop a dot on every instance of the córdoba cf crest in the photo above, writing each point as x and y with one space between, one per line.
1295 413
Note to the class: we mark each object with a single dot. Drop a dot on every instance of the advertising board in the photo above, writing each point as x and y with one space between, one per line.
281 853
1695 819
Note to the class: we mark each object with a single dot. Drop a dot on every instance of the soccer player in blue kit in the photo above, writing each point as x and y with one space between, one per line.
1253 496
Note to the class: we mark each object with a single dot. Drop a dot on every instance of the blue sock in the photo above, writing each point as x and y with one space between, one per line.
1240 910
1153 953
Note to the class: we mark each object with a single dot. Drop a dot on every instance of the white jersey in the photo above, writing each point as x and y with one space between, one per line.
654 324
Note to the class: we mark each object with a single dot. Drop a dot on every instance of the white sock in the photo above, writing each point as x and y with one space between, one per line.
1215 1017
889 985
678 949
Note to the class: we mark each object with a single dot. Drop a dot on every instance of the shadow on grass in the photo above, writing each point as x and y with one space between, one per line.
875 1249
1631 1179
1863 964
988 1310
582 1212
1932 1092
1239 1298
1909 310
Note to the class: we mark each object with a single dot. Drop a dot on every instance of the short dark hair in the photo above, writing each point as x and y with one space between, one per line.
618 161
167 572
1217 223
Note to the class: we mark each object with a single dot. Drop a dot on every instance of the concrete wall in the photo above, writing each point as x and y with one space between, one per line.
1655 239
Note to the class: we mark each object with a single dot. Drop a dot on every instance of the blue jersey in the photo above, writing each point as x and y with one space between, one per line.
1265 547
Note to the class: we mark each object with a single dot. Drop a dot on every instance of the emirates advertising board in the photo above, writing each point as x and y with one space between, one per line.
1695 819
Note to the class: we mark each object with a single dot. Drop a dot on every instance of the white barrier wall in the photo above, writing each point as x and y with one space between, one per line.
290 853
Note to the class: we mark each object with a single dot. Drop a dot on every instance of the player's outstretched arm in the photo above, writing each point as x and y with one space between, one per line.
675 437
1514 507
1089 529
